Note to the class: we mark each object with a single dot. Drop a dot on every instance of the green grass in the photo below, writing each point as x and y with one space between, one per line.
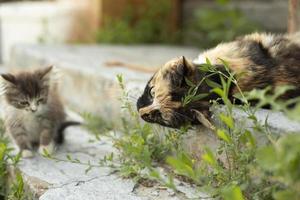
221 23
149 23
9 190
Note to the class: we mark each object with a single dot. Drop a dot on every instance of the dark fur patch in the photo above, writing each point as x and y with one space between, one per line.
146 98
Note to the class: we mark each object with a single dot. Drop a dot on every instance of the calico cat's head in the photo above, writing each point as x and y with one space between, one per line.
161 101
27 90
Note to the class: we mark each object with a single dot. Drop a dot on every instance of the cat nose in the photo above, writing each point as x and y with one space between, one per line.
33 108
152 115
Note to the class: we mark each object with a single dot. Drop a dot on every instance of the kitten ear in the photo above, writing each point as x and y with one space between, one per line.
9 78
45 73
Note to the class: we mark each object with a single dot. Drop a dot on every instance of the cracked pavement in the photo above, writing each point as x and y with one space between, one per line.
48 179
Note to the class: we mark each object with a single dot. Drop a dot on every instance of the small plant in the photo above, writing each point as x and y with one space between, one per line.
16 191
219 24
140 147
281 164
148 24
7 159
96 124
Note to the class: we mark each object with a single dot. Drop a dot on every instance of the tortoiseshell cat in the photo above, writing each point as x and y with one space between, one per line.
261 59
33 112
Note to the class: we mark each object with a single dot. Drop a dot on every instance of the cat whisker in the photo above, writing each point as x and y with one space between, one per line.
133 97
182 115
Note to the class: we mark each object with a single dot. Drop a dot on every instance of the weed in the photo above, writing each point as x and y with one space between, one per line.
141 146
219 24
143 24
96 124
7 159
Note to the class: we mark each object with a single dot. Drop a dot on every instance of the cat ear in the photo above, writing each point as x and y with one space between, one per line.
203 119
45 73
9 78
181 67
50 74
184 67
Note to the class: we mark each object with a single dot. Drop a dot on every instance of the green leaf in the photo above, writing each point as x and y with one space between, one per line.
225 64
218 91
266 157
181 167
247 138
155 174
188 82
286 194
209 157
280 90
208 61
224 136
120 78
46 153
88 169
186 159
199 96
69 157
212 84
232 193
2 150
204 68
227 120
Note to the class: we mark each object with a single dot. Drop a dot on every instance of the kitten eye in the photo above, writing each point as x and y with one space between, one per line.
24 103
152 92
40 100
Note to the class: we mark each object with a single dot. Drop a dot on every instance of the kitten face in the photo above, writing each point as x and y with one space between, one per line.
161 101
28 90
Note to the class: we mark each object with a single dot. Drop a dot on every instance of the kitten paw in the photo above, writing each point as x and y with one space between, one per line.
27 154
48 148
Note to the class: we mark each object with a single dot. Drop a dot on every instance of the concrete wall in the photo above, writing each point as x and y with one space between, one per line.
45 22
32 23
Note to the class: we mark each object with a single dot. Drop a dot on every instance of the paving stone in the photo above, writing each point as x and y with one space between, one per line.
48 179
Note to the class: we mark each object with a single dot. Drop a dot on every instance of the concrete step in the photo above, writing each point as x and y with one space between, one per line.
47 179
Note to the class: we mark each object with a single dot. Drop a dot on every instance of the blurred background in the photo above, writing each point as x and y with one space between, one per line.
200 23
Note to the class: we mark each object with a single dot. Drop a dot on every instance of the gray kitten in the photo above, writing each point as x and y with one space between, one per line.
33 112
